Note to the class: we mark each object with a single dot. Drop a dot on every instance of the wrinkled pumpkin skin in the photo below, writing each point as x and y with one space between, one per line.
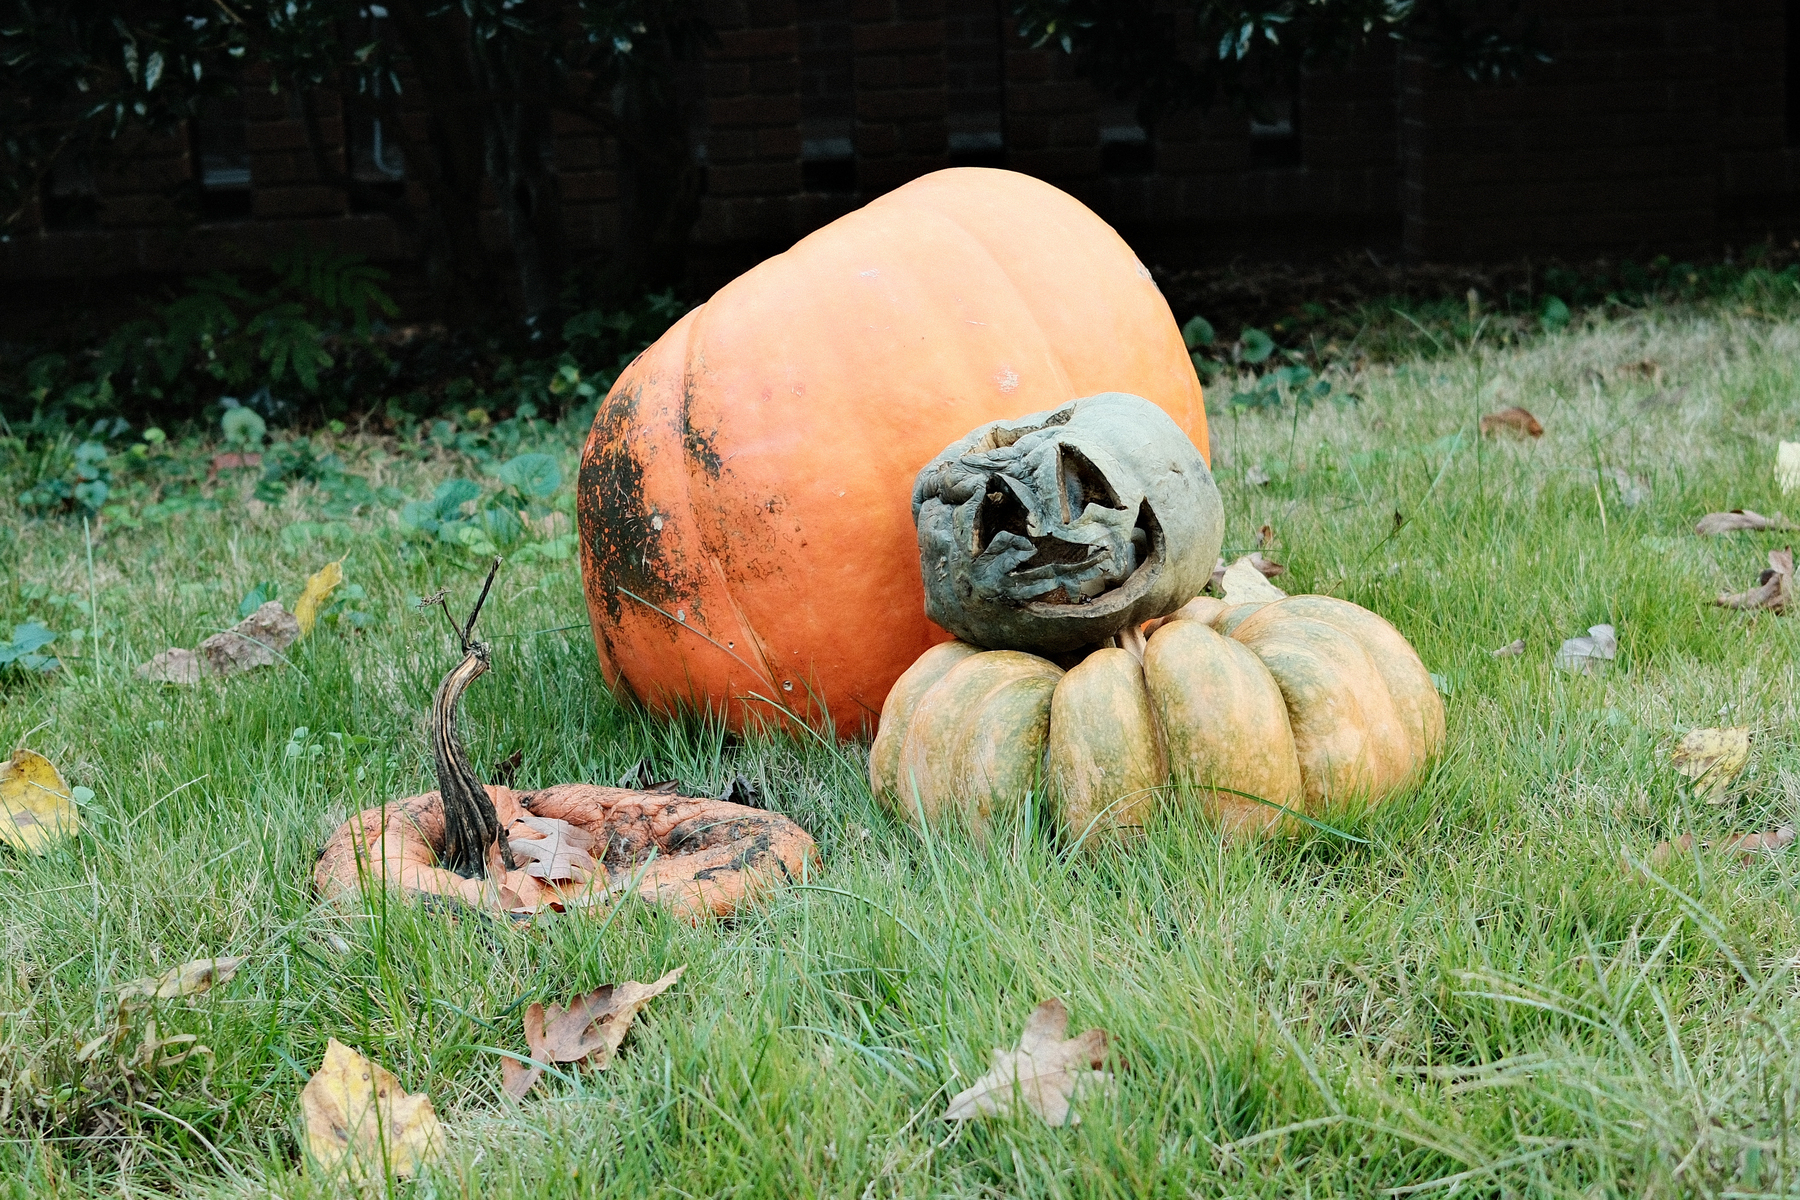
1106 762
1350 741
897 709
750 475
977 737
1294 707
1409 684
1225 721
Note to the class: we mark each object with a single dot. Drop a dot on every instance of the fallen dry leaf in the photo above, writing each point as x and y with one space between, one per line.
1512 649
1514 420
36 805
589 1030
1769 841
1774 587
507 769
1046 1072
1712 758
255 641
1787 467
1739 519
360 1122
1269 567
189 979
1746 846
558 852
1587 655
319 586
231 462
1663 853
1265 538
1245 581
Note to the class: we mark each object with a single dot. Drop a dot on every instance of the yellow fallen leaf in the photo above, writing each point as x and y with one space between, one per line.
36 806
319 587
189 979
359 1121
1712 758
1787 467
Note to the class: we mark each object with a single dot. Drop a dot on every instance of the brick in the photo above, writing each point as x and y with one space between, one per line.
898 36
275 135
910 105
303 201
725 79
754 179
582 187
755 110
781 42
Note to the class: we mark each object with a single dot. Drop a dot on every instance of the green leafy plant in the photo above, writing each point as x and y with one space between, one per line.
71 479
21 650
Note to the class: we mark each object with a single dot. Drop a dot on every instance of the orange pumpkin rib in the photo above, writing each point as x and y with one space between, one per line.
809 393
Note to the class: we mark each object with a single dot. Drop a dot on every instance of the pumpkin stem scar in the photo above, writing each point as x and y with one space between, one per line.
471 825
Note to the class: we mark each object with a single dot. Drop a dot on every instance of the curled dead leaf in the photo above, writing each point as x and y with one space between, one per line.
317 593
1588 655
1712 758
1046 1072
1774 588
590 1030
1747 846
1512 649
1769 841
1739 519
189 979
255 641
361 1123
1514 420
1246 580
37 807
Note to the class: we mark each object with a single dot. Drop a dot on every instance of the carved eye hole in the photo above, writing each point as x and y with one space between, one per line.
1000 510
1082 483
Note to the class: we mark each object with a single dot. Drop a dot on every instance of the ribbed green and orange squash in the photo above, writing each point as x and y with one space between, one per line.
1308 703
744 503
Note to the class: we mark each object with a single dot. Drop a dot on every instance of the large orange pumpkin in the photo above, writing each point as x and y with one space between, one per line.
745 497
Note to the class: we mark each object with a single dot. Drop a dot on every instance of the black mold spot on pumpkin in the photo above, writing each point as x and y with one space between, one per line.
697 443
622 529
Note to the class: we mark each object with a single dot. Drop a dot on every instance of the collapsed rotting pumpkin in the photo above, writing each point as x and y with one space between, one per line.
568 846
1306 703
744 495
1055 531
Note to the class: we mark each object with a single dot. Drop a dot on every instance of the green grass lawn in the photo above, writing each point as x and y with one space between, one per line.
1482 996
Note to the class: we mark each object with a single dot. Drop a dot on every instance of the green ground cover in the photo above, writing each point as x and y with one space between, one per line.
1483 996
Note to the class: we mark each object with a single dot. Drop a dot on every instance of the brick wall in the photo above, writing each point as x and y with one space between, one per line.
1661 126
1611 148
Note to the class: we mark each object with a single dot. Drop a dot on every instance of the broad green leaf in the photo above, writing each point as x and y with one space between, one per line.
533 474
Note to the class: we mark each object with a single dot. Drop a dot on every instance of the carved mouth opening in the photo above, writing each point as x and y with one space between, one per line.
1147 545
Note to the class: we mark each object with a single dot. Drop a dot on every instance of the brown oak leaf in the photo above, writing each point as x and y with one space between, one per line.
1047 1072
1774 588
1739 519
589 1030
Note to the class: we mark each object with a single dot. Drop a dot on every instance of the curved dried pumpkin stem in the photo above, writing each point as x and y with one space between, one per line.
471 826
